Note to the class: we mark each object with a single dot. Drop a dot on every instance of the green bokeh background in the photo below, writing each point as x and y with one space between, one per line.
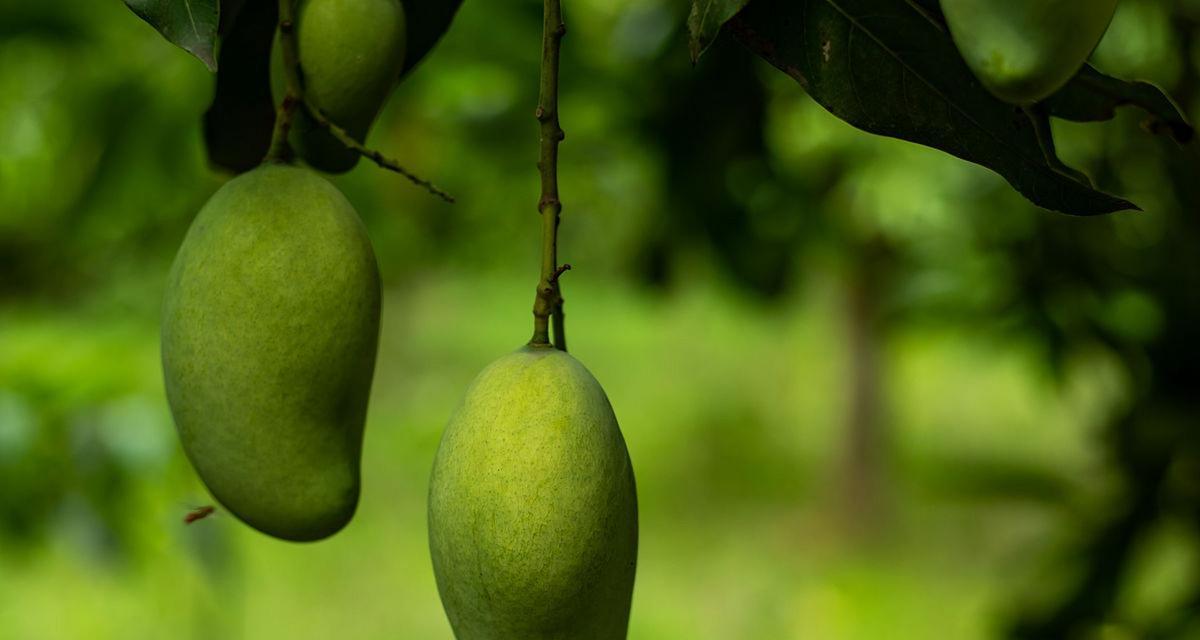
748 271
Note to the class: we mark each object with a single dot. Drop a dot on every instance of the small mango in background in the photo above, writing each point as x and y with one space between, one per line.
352 53
1024 50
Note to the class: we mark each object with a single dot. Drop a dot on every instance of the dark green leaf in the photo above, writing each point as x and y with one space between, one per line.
191 24
230 10
705 22
427 21
1093 96
886 68
239 122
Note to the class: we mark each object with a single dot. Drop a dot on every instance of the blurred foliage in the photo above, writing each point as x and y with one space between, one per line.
1038 453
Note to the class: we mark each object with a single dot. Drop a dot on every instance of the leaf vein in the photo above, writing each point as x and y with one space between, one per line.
187 4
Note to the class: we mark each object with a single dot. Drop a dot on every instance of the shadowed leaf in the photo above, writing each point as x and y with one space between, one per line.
885 67
1093 96
705 21
239 122
230 10
427 21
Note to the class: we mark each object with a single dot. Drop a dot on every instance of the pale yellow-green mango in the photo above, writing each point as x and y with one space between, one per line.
532 506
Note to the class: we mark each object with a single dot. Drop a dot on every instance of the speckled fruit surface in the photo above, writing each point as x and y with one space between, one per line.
269 332
532 509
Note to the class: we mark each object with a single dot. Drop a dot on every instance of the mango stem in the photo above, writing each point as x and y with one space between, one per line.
549 301
280 150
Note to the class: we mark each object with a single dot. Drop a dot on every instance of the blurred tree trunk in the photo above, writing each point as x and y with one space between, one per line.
863 500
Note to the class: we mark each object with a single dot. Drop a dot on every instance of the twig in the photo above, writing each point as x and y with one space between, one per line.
378 158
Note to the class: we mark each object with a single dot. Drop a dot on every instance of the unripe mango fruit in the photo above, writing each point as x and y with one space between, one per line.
351 55
269 332
1024 50
532 506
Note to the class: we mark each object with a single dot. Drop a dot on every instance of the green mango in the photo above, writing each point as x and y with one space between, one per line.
269 332
1024 50
532 506
351 56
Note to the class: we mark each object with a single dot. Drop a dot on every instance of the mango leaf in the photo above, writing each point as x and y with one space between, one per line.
705 22
427 21
239 122
190 24
230 10
885 67
1092 96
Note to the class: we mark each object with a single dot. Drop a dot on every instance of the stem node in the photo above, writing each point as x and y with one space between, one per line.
547 203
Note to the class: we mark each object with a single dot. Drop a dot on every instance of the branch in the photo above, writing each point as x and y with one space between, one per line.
549 300
294 97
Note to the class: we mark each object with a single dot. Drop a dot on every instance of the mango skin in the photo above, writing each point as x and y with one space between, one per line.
269 333
1025 50
352 53
532 506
